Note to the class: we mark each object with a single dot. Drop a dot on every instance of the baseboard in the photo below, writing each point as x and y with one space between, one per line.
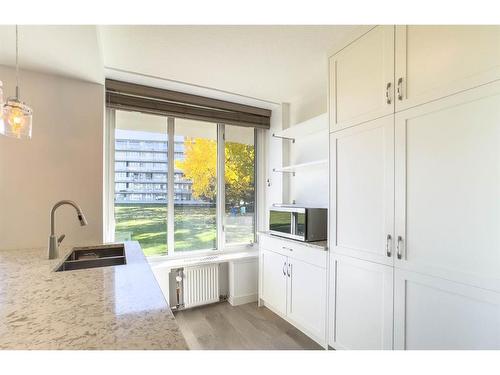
241 300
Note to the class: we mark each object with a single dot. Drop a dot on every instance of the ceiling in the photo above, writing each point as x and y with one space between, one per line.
274 63
71 51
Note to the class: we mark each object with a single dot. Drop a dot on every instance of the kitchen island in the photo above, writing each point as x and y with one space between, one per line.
118 307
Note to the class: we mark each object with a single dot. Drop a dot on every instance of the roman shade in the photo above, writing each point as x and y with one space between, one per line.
134 97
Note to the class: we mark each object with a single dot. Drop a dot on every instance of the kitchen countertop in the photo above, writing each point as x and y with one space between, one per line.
320 245
119 307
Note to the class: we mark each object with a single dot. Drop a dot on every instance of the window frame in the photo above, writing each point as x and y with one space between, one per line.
221 246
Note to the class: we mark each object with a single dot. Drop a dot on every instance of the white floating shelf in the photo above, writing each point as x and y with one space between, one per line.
295 167
315 125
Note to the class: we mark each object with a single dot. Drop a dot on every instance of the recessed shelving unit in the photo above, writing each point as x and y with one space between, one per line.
300 133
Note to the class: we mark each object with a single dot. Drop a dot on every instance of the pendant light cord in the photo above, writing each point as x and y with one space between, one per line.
17 64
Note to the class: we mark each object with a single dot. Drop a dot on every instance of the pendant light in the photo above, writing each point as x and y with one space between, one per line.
16 115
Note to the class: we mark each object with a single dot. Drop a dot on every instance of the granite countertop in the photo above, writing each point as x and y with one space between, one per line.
320 245
119 307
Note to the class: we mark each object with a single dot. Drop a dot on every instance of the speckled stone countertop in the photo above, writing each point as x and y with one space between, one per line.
119 307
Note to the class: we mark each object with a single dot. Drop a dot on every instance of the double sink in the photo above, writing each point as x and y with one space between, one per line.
94 256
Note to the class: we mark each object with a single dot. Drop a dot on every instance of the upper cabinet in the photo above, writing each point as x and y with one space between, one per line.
390 69
362 79
436 61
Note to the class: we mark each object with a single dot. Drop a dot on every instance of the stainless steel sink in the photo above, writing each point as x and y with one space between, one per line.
94 256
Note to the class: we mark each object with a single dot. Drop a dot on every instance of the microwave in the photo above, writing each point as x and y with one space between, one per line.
298 223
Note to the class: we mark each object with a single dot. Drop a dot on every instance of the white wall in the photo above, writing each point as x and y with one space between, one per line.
63 160
309 105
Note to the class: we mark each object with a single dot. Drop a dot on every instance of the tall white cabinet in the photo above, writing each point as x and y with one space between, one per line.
414 196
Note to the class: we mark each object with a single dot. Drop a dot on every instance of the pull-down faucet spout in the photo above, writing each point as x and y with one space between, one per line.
53 241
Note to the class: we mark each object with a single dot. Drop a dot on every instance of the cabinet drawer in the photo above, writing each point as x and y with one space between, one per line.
294 250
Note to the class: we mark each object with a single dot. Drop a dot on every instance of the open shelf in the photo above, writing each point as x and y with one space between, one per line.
293 168
312 126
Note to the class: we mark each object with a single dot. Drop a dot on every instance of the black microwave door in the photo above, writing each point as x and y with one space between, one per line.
280 221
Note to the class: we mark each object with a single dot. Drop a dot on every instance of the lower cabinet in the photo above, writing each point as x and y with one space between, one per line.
361 301
274 280
426 312
306 298
296 290
433 313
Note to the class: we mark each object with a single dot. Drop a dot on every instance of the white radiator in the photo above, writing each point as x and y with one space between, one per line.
201 285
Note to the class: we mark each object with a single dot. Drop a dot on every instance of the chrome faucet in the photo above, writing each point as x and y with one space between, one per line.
53 241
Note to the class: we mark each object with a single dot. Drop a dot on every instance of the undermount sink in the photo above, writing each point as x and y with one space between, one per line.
94 256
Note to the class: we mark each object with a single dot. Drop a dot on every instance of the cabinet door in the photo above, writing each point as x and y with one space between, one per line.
447 187
436 61
361 75
307 298
274 280
362 190
432 313
361 304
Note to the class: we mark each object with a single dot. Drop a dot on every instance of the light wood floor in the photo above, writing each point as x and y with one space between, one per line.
222 326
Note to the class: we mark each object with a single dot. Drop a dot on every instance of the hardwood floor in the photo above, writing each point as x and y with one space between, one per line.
222 326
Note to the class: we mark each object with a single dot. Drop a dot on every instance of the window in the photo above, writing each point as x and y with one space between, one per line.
196 166
239 185
140 207
171 177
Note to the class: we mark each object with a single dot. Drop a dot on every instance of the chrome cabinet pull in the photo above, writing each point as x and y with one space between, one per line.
289 270
400 88
284 266
286 248
400 239
388 245
387 93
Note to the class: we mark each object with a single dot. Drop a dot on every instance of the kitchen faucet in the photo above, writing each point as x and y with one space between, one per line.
53 241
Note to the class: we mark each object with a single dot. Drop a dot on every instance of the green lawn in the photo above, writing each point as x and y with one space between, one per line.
195 227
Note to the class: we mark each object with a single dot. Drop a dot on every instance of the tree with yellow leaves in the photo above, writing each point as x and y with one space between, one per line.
200 166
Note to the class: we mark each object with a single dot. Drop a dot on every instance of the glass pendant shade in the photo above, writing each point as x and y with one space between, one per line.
17 119
15 116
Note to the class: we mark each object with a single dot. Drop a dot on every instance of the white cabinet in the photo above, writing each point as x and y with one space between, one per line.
306 302
432 313
274 280
447 183
361 317
436 61
362 190
394 68
362 79
428 175
294 285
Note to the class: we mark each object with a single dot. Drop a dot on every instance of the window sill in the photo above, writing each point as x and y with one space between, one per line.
167 262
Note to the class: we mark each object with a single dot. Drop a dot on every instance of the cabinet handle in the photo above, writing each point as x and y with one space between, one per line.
388 245
289 270
387 93
286 248
400 88
400 239
284 266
